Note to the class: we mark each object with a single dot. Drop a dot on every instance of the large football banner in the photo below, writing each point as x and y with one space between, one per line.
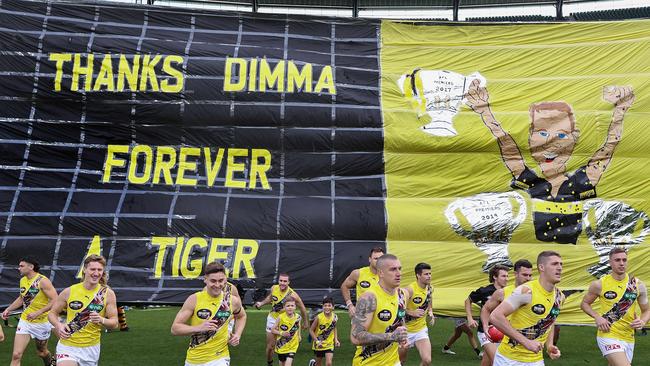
165 139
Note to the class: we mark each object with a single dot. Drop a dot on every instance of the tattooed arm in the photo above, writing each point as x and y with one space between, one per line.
359 335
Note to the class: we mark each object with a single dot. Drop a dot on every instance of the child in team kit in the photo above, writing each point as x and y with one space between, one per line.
324 335
287 332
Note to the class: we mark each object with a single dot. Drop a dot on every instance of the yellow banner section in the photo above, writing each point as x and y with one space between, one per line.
502 141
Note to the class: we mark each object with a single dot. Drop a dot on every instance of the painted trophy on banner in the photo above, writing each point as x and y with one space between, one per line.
488 220
609 224
436 96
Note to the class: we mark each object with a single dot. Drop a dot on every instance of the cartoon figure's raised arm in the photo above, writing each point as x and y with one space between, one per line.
622 97
478 99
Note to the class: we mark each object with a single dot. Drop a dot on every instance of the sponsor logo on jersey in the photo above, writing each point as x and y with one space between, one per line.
284 327
76 305
203 313
538 309
385 315
22 289
322 326
417 300
95 307
364 284
610 295
629 296
223 314
275 298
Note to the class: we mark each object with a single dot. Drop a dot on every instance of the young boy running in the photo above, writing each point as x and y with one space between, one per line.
324 335
287 331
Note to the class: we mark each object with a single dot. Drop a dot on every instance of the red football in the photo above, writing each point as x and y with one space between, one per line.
495 334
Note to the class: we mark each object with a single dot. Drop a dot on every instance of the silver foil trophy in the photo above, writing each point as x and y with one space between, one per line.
436 96
609 224
488 220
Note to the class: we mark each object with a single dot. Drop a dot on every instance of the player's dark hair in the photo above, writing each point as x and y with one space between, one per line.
545 255
284 274
494 271
421 267
376 250
31 260
214 267
523 263
328 300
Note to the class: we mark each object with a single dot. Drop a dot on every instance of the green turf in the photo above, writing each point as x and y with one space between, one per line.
150 343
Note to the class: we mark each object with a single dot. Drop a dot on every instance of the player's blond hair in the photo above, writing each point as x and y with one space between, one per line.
99 259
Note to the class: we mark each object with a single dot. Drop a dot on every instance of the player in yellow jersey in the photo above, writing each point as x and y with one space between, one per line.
205 316
617 319
324 335
89 305
36 297
278 295
527 316
287 333
523 273
378 323
420 294
362 279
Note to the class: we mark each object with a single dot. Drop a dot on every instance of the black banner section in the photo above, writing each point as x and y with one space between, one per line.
164 139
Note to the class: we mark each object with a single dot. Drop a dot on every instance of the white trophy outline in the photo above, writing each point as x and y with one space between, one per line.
443 95
615 224
491 240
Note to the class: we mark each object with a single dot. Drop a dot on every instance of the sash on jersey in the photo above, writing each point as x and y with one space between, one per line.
537 330
624 304
31 292
82 318
221 316
292 332
280 304
327 331
424 306
369 350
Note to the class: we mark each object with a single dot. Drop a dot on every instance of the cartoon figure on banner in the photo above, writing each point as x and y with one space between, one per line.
438 95
492 218
609 224
557 197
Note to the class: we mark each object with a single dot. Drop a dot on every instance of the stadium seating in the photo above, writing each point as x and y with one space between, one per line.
513 18
617 14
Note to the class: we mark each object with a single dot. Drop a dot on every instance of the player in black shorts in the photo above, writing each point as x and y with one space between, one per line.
498 279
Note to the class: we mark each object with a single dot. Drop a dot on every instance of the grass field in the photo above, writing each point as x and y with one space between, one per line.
149 343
